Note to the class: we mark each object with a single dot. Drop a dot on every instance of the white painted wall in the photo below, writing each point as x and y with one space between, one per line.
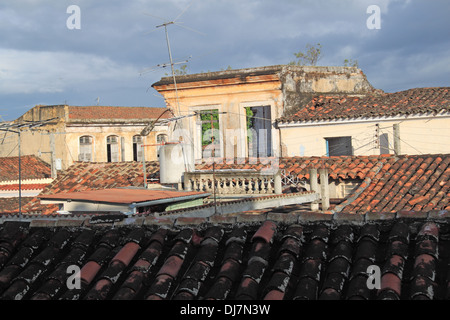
418 135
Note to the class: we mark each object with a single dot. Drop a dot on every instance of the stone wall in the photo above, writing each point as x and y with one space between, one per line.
301 83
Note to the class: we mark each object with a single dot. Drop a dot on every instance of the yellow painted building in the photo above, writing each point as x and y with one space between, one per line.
414 121
91 133
242 105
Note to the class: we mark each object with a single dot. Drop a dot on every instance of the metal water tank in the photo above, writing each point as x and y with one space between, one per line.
174 159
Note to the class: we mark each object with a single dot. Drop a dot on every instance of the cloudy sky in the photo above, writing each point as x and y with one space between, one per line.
112 58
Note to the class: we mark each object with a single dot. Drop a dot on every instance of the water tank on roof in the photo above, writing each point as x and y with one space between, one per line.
174 159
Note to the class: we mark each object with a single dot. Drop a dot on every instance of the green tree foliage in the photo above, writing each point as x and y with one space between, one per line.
308 58
205 117
350 63
181 71
250 120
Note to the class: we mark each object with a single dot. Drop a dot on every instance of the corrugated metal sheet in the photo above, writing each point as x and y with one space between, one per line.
121 195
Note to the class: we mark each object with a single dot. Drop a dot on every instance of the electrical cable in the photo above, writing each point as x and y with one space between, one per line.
13 149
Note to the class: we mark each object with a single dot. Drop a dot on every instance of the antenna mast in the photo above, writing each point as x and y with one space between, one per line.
171 62
165 24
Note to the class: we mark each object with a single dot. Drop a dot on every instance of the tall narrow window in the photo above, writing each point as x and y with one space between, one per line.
208 142
85 149
259 131
384 143
137 148
112 148
339 146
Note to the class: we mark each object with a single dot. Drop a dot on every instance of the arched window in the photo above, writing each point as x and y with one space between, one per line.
112 148
137 148
85 153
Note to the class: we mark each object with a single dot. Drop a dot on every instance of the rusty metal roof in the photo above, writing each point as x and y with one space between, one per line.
124 196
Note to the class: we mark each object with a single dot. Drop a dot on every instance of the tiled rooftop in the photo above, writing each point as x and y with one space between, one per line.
108 112
389 183
32 167
339 167
315 257
27 186
83 176
10 205
92 176
413 183
408 102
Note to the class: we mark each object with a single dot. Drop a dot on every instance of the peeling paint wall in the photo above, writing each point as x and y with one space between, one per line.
41 112
301 83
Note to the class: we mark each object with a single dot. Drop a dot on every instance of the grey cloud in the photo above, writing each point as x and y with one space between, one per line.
113 46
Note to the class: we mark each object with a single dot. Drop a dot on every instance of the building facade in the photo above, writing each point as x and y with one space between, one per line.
285 111
92 134
15 193
232 113
414 121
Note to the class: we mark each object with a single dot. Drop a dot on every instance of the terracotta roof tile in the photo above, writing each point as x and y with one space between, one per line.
113 112
23 187
416 182
412 101
266 232
314 260
10 205
390 282
299 166
83 176
307 289
32 167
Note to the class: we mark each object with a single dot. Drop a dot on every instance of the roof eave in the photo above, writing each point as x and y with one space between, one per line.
219 75
314 122
54 200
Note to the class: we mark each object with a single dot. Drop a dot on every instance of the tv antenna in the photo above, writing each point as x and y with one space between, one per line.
165 24
171 62
164 65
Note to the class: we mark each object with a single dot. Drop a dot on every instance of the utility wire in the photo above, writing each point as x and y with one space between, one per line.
410 145
70 153
342 144
334 133
13 149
